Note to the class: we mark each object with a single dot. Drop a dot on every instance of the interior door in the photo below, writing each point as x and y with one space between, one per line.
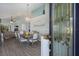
62 29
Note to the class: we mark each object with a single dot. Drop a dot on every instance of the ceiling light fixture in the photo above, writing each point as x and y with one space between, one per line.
28 13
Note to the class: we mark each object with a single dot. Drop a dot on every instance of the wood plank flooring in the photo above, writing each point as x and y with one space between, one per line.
12 47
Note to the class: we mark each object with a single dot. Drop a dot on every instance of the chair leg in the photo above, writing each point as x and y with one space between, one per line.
32 42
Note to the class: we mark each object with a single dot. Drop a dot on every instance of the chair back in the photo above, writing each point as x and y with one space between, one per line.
35 36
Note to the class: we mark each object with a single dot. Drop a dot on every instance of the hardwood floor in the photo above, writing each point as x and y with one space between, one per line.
13 47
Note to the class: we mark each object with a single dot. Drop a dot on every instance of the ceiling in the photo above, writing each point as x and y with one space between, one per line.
14 9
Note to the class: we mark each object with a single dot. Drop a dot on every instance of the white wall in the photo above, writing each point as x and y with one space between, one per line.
41 23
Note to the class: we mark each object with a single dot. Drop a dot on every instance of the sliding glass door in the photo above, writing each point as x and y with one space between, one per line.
62 28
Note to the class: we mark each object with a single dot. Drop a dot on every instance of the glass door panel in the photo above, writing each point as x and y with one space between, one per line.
62 29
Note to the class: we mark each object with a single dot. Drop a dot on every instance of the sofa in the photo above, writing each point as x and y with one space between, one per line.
8 35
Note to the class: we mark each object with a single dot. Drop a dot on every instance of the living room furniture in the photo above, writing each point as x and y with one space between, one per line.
34 37
23 36
8 35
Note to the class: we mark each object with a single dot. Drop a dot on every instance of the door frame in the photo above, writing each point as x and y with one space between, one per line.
51 28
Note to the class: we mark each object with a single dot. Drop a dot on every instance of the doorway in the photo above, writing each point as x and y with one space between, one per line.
62 29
